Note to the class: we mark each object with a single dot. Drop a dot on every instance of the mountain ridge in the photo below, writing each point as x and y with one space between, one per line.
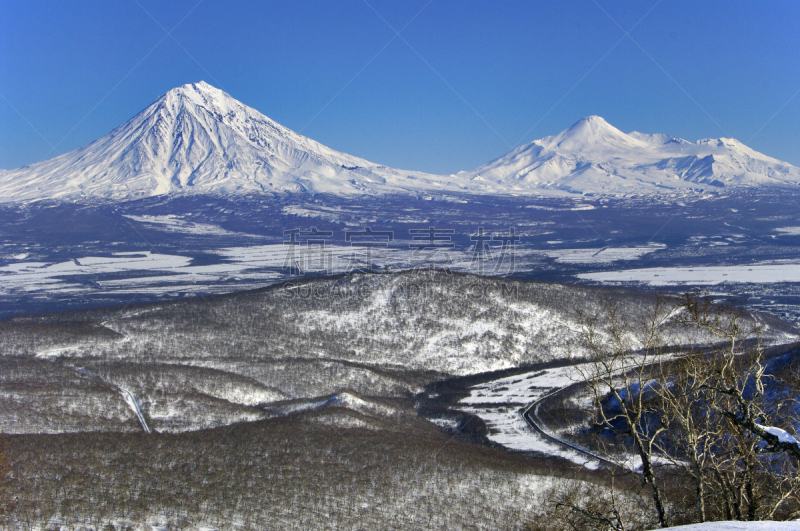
594 157
197 139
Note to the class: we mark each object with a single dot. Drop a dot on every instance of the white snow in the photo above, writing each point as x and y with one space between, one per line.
173 223
248 267
33 276
130 399
602 255
761 273
499 403
594 157
197 139
782 435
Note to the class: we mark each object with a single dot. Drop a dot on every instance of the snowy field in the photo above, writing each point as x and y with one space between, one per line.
252 266
41 276
788 231
499 403
175 223
203 246
139 272
761 273
603 255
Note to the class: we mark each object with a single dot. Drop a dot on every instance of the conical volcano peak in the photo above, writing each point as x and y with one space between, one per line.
198 139
203 95
212 108
201 88
592 121
202 85
592 125
589 132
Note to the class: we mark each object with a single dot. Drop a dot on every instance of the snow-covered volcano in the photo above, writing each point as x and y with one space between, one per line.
198 139
593 156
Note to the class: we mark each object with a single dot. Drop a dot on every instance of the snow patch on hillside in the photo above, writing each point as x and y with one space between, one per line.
174 223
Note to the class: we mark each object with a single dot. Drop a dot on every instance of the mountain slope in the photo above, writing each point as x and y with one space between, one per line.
198 139
592 156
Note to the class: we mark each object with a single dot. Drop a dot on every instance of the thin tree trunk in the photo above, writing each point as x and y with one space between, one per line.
650 477
701 500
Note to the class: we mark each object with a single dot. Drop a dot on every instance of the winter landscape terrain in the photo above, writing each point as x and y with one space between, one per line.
198 194
197 139
210 321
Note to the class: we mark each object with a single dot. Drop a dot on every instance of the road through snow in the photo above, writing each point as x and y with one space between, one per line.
505 404
130 399
533 420
127 396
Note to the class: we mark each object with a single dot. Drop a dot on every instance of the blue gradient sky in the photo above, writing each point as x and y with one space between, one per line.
464 82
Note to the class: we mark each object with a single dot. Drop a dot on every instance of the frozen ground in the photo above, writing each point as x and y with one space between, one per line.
499 403
159 249
135 272
759 273
176 223
603 255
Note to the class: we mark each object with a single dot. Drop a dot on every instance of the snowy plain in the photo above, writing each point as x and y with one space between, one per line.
758 273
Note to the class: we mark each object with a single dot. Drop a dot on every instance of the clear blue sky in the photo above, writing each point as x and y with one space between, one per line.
463 83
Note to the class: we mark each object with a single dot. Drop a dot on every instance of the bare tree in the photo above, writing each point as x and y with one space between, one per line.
583 510
690 432
740 448
710 413
618 372
575 505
